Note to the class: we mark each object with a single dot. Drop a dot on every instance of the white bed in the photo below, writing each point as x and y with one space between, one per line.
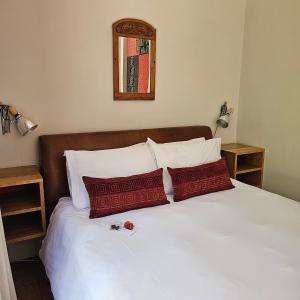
237 244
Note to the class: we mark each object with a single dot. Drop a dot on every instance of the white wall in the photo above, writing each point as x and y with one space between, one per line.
56 66
270 90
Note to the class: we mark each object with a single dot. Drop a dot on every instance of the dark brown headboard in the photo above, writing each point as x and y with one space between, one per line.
52 148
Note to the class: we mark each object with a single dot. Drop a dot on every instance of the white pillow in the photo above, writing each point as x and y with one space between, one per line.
180 155
132 160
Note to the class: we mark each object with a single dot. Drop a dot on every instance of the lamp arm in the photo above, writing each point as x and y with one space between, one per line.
216 130
13 111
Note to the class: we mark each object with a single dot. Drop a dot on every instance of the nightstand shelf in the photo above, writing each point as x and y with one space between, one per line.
20 199
16 206
19 176
22 203
245 163
252 178
241 169
24 227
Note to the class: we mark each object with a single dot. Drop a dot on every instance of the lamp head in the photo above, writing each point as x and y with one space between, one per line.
24 125
223 121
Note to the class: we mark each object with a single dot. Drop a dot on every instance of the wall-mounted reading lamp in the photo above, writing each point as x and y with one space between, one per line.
224 117
24 125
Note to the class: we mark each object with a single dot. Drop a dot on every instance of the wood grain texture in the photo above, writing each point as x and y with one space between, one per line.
22 203
19 205
134 28
245 163
240 149
19 175
23 227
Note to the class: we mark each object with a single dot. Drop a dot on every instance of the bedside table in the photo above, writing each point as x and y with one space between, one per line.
245 163
22 203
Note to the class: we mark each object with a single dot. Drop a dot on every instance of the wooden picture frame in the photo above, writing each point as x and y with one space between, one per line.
133 28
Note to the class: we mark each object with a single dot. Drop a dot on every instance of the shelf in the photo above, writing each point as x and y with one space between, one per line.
19 176
23 228
27 233
253 178
22 203
245 163
19 200
240 149
19 205
247 168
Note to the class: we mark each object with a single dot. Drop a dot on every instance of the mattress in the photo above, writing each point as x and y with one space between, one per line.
237 244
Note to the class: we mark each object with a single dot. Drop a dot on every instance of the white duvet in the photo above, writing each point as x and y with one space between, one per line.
238 244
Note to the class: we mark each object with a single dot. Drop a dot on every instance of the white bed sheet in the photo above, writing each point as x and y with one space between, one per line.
237 244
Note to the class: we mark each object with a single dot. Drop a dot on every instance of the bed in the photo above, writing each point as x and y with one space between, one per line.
242 243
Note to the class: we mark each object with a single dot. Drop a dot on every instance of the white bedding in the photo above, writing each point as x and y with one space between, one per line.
238 244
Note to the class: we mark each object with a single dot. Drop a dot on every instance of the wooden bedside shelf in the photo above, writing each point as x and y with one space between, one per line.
28 233
252 178
19 200
19 175
22 203
246 169
245 163
24 227
17 206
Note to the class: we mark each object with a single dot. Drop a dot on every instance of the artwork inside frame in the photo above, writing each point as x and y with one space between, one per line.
134 65
134 51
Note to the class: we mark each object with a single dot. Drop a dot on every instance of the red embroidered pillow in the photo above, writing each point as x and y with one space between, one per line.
115 195
199 180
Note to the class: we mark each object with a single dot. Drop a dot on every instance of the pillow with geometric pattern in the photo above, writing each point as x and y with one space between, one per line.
110 196
194 181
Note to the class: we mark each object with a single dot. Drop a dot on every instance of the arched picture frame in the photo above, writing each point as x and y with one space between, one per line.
134 59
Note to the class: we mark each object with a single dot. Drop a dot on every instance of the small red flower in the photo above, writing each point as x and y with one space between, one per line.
128 225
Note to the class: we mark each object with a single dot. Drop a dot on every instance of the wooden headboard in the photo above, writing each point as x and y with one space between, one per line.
52 148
